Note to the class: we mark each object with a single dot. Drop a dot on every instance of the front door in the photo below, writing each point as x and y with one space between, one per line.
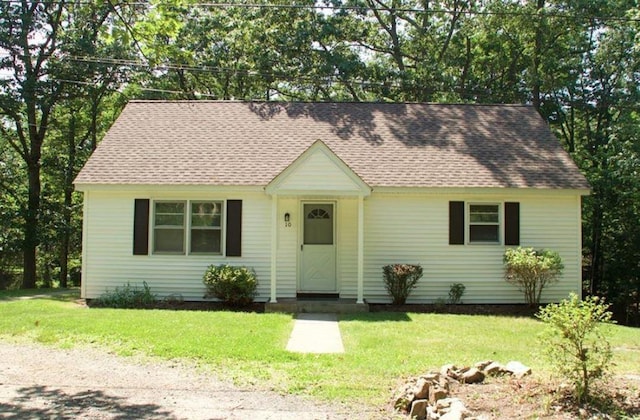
318 251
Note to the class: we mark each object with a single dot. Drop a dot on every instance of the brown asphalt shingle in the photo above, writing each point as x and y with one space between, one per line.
391 145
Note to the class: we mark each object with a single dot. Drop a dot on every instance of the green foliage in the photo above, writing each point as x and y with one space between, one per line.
231 284
400 280
127 296
456 290
531 270
574 341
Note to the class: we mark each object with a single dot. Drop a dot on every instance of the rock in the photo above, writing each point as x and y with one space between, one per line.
432 377
449 370
493 369
402 398
472 376
484 364
455 410
517 369
436 394
421 390
418 409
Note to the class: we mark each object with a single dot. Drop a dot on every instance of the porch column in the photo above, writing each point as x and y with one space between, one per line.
274 245
360 249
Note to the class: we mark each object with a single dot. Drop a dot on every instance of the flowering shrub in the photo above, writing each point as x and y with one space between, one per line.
400 280
233 285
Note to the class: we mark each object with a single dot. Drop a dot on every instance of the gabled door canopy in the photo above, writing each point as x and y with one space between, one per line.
318 171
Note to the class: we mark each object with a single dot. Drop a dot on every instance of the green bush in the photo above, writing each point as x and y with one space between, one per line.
574 342
127 296
231 284
400 280
456 290
531 270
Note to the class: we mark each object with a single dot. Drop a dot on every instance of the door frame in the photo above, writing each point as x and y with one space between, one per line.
299 259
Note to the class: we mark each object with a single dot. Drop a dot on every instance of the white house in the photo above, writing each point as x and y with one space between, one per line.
318 197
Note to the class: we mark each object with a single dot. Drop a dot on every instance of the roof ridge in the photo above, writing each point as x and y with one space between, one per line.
239 101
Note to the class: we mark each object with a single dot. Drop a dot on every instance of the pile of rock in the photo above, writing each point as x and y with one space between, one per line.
427 397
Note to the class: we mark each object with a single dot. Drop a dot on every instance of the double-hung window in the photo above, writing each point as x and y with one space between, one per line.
168 227
484 223
196 223
206 227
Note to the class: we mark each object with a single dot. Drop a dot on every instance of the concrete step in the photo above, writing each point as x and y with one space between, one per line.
335 306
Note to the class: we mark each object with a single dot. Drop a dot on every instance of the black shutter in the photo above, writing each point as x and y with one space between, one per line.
512 223
234 228
456 222
141 227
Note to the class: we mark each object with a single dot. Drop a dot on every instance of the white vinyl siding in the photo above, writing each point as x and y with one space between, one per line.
399 228
414 229
108 261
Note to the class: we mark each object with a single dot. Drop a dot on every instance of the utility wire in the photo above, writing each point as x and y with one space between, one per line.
363 9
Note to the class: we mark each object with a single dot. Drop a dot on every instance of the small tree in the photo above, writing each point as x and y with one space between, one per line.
233 285
531 270
400 280
574 341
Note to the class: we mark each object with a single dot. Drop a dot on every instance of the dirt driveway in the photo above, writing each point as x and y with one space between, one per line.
41 382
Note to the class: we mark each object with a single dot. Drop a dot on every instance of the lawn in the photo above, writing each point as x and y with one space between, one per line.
381 348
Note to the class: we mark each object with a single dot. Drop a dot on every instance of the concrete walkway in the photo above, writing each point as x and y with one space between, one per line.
316 333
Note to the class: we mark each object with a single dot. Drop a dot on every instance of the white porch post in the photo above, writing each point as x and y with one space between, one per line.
274 245
360 249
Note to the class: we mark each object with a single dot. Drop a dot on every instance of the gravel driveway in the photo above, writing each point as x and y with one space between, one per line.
41 382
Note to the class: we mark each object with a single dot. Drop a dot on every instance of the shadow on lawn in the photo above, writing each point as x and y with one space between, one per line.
55 403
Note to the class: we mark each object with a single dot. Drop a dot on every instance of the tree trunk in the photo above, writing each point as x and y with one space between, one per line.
31 221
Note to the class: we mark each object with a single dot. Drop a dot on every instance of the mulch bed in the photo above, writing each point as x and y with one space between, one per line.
470 309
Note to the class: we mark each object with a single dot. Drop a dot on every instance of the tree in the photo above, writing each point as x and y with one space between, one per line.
40 39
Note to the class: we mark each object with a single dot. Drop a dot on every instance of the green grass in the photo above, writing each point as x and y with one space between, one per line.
381 348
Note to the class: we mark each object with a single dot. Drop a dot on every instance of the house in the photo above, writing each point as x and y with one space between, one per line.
317 197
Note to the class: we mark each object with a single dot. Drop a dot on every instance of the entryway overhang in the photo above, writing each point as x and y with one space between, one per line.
318 173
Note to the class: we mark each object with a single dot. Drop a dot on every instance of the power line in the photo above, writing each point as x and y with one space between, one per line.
246 5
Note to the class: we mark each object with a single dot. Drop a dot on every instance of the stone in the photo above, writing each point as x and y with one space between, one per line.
436 394
449 370
402 398
517 369
493 369
472 376
455 410
482 365
421 389
431 377
418 409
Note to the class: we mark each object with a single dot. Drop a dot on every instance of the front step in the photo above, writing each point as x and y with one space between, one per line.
334 306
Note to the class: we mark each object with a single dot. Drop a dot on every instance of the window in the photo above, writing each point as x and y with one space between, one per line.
168 227
484 223
204 227
206 231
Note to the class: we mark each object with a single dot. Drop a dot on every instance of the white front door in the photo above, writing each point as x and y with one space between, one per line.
318 250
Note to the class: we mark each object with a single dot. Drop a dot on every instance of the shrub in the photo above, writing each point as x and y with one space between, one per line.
574 342
127 296
531 270
456 290
233 285
400 280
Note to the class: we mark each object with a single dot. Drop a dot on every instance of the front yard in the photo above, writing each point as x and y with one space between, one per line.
381 348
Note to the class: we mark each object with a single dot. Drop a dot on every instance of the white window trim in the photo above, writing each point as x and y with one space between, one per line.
220 228
186 227
467 222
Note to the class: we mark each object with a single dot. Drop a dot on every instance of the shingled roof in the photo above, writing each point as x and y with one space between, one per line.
387 145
